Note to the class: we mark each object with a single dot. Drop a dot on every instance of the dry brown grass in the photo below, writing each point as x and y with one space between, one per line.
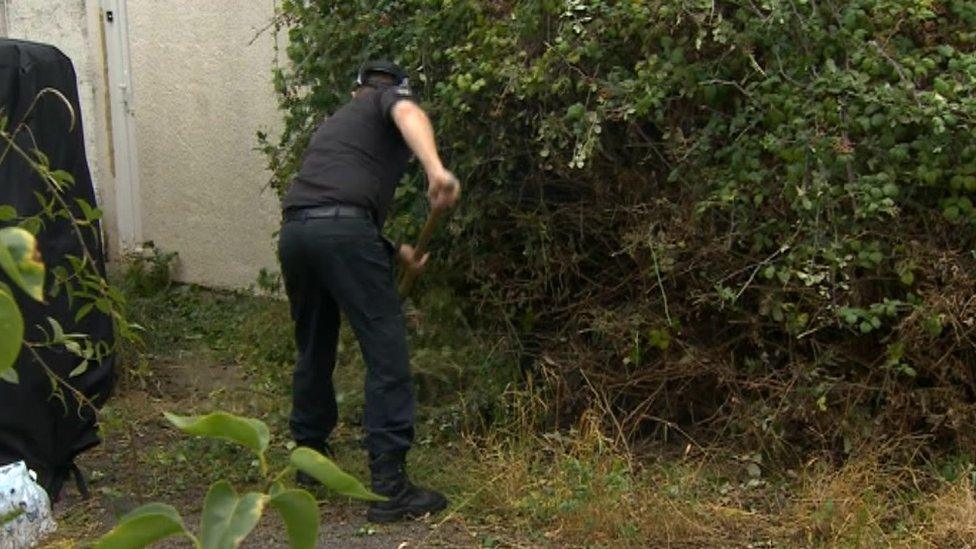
854 505
950 516
581 489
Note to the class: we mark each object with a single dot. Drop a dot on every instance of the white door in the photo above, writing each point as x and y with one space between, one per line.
126 165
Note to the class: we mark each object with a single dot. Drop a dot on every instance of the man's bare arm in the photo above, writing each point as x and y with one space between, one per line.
443 188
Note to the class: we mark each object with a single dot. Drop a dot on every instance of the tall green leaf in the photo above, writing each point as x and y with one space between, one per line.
11 333
145 525
227 518
328 473
301 515
21 260
218 507
250 433
246 514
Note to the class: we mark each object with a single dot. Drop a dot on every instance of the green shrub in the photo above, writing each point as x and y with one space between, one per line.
755 212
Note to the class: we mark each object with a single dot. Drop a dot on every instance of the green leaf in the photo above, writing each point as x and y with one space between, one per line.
951 213
247 432
90 214
933 325
10 376
328 473
62 178
58 335
11 333
7 213
80 369
245 516
20 259
33 225
83 311
73 347
301 515
848 315
227 518
218 507
145 525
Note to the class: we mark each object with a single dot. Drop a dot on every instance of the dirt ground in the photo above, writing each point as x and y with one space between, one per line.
142 459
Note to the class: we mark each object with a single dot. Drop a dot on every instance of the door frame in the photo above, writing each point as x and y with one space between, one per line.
4 19
122 125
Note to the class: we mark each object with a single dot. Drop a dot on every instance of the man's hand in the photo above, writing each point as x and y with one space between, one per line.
443 189
408 261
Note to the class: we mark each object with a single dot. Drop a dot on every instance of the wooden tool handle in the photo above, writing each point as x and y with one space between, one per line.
410 275
435 215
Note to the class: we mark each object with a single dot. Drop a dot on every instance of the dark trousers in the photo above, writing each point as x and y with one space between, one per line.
338 264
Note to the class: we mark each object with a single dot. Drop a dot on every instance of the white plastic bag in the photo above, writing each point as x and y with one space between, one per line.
25 510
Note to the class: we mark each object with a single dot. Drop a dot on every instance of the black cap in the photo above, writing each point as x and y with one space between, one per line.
384 67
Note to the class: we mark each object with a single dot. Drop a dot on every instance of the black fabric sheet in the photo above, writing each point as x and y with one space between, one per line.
34 426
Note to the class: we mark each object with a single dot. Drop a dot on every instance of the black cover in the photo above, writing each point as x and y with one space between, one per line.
34 426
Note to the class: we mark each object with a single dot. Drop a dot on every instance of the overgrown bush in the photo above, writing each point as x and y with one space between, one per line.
753 216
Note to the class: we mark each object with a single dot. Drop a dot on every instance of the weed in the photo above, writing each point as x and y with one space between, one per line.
148 270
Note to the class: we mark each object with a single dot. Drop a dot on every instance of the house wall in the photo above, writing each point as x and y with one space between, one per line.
202 91
202 88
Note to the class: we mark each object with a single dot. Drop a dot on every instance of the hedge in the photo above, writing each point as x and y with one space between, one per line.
750 218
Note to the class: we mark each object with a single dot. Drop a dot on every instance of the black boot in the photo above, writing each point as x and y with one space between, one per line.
304 479
406 500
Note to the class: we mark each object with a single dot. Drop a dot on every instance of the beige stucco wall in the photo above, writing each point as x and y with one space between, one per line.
73 27
201 94
202 90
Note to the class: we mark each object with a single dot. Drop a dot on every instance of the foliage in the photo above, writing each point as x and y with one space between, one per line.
20 261
755 212
228 517
12 334
149 270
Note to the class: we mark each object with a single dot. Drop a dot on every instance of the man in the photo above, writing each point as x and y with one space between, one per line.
334 258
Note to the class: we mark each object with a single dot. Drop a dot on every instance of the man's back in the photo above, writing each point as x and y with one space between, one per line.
355 157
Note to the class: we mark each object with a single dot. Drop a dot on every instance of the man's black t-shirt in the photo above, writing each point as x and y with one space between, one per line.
355 157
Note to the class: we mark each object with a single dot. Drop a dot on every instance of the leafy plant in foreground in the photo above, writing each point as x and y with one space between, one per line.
20 261
228 517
